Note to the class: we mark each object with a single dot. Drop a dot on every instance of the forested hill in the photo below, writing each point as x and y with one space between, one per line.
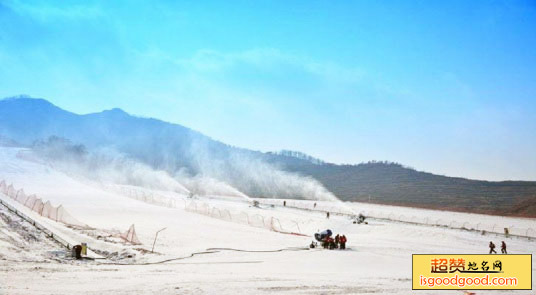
391 183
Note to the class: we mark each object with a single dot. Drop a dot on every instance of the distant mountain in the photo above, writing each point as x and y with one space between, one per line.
26 120
394 184
173 147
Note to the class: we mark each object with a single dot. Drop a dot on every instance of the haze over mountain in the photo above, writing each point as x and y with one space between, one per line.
177 149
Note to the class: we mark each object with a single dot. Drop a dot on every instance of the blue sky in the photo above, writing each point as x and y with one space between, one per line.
443 86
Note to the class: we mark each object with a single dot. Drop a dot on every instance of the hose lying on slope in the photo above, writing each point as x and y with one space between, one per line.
208 251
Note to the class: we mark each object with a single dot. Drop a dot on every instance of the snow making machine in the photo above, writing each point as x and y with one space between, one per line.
321 236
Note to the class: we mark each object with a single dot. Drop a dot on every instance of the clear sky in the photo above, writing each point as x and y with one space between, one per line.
447 87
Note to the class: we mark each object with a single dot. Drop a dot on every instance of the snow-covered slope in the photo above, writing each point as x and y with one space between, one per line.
359 270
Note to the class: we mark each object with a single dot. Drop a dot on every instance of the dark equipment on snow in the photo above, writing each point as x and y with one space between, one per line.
360 219
321 236
77 252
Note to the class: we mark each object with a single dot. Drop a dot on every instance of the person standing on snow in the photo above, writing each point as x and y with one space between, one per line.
492 248
342 241
337 240
327 215
325 243
331 243
503 248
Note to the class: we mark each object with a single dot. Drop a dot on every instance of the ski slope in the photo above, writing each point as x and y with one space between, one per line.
378 260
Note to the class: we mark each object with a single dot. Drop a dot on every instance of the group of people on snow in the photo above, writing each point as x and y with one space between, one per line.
334 243
339 242
492 248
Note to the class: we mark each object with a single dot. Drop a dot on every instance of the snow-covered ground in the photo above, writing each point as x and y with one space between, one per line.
378 260
488 223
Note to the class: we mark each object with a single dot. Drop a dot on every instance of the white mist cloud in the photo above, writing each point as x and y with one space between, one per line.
249 173
106 166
